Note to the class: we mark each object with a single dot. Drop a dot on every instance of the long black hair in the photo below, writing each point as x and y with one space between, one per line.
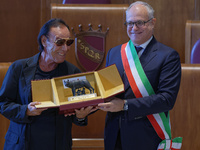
56 22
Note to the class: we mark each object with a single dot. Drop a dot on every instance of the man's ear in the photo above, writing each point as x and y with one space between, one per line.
44 40
154 21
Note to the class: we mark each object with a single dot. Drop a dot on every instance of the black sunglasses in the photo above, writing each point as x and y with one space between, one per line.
67 41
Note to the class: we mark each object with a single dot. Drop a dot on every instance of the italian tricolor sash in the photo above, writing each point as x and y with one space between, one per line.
141 87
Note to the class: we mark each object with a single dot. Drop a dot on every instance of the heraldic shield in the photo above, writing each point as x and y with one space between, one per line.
90 47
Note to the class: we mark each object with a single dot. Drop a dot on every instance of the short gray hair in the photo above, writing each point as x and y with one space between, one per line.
150 10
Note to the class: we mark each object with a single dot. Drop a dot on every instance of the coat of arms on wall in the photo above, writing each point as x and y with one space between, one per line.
90 47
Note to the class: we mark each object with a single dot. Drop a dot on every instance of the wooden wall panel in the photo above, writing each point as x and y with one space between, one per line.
171 19
185 120
20 23
4 122
192 34
88 144
197 10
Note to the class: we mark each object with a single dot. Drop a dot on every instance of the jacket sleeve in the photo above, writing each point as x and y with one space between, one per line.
11 105
77 122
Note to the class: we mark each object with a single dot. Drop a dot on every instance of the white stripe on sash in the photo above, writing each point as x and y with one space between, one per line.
160 122
134 72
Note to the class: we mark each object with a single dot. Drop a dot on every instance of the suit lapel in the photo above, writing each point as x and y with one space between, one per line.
30 68
149 53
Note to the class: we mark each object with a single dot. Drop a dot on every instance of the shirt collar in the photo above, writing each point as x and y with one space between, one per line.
144 45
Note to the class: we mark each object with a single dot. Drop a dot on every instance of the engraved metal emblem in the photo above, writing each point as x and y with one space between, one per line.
90 47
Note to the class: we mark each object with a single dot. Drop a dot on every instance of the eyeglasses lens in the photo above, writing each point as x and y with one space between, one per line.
61 42
139 23
69 42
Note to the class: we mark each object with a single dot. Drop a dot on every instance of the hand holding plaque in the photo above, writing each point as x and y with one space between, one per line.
78 90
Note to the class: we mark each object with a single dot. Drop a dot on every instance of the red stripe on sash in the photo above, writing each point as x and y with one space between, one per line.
128 73
156 126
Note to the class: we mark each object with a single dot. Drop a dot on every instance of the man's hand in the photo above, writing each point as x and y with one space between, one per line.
32 110
114 105
83 112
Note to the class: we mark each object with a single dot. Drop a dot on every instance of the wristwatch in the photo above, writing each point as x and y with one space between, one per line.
125 105
80 119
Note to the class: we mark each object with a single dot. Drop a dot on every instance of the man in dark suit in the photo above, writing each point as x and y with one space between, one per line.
151 79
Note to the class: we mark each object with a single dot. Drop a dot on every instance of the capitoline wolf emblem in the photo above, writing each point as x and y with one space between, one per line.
90 47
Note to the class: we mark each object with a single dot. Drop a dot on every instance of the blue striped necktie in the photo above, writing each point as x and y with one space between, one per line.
138 49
